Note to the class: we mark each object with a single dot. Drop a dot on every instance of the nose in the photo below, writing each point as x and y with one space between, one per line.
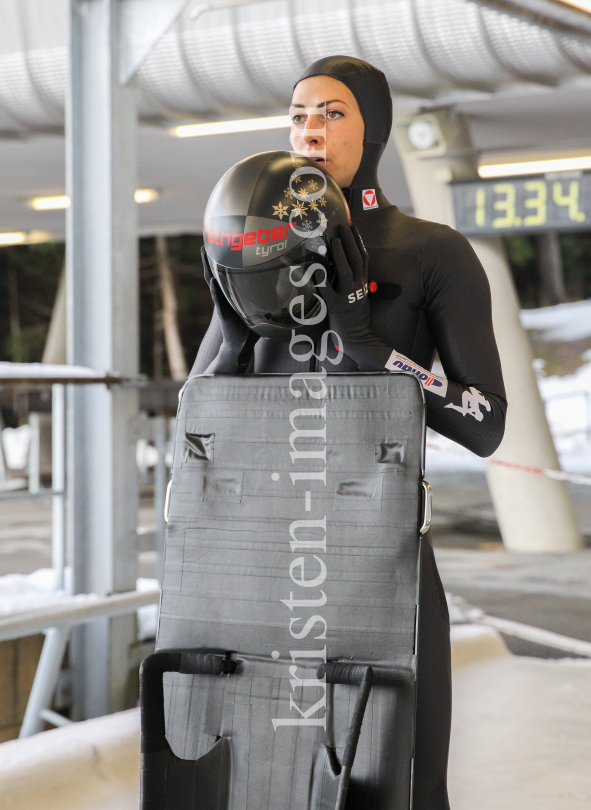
310 136
315 130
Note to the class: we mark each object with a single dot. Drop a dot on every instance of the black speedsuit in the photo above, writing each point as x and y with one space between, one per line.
432 296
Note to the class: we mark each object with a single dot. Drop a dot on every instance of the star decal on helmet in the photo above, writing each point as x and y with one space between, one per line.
322 220
299 209
288 193
322 202
303 194
313 205
297 179
312 185
280 210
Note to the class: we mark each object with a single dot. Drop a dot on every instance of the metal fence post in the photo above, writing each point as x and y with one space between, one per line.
58 483
45 682
34 453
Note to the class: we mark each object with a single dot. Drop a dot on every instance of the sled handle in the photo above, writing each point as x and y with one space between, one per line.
338 672
167 501
427 507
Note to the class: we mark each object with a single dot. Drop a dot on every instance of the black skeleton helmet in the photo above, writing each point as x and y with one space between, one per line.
267 229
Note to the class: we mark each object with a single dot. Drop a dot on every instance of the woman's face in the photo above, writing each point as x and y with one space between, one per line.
327 126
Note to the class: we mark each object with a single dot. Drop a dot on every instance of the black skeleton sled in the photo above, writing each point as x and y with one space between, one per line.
285 670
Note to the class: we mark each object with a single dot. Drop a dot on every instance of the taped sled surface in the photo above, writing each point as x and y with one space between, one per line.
293 541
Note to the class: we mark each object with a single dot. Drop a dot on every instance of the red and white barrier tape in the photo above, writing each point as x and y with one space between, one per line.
557 475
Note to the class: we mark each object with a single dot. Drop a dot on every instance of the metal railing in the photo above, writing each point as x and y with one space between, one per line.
57 620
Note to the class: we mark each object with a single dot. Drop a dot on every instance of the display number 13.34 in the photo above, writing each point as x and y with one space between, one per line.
533 211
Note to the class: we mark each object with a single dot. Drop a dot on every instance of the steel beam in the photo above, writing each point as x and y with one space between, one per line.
58 484
102 306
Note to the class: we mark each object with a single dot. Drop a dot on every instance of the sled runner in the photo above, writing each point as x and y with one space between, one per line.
285 670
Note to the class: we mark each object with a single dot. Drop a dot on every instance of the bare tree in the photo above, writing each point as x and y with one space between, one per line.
14 314
172 338
550 268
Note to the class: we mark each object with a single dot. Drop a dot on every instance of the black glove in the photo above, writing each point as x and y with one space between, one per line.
348 305
237 339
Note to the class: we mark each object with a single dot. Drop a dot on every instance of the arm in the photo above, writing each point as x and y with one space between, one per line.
210 346
469 405
458 307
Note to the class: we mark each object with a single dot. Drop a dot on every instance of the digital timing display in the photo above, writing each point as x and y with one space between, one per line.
551 202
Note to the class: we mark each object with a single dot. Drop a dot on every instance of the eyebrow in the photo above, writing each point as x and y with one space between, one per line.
322 104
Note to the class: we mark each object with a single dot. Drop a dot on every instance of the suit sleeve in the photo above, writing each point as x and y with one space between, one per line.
468 405
458 308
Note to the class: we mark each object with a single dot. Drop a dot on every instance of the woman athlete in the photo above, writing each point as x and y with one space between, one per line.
428 293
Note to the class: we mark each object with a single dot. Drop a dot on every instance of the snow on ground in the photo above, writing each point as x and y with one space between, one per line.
561 322
48 371
20 593
568 408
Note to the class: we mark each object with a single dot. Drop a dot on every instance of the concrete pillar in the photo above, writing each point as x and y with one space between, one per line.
534 513
102 304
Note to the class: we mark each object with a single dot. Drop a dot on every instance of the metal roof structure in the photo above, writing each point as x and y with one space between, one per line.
515 68
243 60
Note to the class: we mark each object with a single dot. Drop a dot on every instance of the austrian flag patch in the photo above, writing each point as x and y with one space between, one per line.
437 385
368 195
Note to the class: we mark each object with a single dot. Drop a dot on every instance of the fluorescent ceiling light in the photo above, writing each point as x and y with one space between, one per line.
239 125
583 5
535 166
50 203
142 195
14 238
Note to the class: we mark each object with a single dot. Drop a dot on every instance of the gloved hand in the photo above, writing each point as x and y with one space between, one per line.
237 339
347 302
351 261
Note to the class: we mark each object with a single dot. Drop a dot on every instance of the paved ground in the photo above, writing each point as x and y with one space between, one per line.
552 591
25 535
464 516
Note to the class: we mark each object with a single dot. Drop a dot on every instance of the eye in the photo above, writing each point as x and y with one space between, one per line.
333 115
298 118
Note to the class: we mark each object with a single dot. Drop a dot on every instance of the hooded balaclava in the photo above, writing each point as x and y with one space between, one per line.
371 91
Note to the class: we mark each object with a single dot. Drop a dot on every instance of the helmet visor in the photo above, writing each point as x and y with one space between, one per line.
266 294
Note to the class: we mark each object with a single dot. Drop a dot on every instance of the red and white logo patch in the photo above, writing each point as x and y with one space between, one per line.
368 196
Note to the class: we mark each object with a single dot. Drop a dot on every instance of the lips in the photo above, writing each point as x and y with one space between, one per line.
318 158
